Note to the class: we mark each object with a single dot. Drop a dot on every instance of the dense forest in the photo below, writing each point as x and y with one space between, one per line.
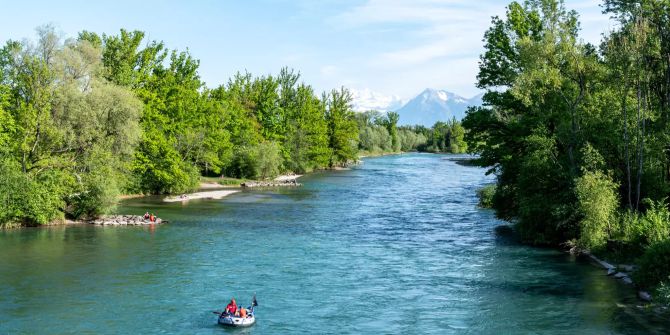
86 119
578 135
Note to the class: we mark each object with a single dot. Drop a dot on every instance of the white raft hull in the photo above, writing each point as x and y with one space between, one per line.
234 321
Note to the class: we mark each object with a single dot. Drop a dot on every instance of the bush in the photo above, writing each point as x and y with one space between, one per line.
654 265
268 156
244 163
27 201
655 222
260 161
645 229
597 200
662 294
486 195
98 195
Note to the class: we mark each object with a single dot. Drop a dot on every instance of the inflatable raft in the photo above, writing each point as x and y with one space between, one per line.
227 319
236 321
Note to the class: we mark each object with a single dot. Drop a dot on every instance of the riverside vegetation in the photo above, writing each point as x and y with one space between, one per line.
380 134
87 119
84 120
578 135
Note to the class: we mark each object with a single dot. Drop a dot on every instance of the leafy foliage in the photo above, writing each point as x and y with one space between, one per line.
84 120
654 265
598 202
485 195
577 136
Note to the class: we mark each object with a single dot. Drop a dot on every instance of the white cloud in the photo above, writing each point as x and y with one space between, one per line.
436 29
437 42
445 48
366 99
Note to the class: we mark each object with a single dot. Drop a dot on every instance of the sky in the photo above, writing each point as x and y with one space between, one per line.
393 47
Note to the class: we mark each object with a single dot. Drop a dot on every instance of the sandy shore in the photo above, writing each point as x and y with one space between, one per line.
288 177
201 195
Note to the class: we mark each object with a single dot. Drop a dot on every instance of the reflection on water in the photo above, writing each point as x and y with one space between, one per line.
393 246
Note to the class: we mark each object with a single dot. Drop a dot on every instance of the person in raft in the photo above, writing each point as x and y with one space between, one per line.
231 308
152 218
241 312
146 215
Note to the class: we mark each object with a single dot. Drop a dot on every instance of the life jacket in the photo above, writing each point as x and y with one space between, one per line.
243 312
231 308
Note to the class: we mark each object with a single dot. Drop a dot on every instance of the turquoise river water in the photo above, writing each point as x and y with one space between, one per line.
395 245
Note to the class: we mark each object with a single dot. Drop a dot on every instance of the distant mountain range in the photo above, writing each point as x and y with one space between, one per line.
428 107
435 105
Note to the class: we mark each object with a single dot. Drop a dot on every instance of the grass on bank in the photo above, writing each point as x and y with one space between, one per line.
224 181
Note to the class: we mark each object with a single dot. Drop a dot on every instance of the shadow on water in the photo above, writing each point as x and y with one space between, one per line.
505 235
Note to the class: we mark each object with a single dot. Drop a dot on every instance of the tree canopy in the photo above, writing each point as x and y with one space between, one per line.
577 134
85 119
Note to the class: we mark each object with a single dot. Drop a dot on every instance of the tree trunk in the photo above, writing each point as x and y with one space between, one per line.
626 142
638 147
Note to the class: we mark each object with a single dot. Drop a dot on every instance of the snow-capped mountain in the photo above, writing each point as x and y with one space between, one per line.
435 105
365 100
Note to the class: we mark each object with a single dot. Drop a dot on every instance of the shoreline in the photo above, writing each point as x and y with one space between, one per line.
104 220
215 191
214 195
206 190
620 272
382 154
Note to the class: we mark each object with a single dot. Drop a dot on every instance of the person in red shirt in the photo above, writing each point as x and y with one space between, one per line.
231 308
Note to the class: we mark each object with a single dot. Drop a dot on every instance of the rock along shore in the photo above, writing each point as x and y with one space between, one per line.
274 183
281 181
124 220
620 272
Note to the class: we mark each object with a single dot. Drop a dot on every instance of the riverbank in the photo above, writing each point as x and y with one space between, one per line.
109 220
214 188
620 272
215 195
214 191
370 154
290 180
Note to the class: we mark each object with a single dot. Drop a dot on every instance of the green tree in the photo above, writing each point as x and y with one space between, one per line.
598 202
60 116
268 157
342 127
391 124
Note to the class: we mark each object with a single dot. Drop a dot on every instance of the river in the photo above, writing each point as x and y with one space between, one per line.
395 245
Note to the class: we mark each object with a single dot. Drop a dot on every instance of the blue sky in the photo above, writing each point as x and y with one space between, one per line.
395 47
